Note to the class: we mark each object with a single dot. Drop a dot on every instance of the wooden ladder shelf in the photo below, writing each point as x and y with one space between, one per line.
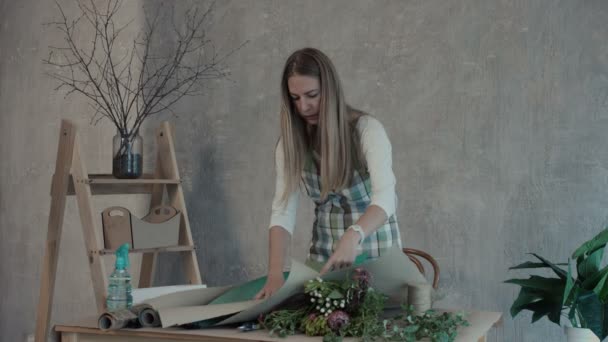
71 178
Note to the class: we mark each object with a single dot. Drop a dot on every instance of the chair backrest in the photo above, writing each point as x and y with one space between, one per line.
413 254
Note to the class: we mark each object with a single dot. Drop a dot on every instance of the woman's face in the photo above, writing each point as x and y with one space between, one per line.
305 94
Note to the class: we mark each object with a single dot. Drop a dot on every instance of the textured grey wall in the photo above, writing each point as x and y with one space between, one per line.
30 114
497 111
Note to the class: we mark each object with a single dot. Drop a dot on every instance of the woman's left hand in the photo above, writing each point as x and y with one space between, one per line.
345 253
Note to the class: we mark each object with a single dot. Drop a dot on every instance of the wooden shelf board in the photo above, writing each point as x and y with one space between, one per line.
152 250
145 179
104 184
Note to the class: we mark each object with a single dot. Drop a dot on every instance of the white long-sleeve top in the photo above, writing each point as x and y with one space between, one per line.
377 151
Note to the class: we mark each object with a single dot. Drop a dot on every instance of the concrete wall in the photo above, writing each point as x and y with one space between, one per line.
497 112
30 114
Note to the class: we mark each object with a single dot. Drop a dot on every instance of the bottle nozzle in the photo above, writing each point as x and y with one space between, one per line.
122 256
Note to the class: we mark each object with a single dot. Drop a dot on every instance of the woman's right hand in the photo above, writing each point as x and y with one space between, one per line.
273 283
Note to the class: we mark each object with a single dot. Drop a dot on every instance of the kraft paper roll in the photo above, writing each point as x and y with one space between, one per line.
148 317
142 315
116 319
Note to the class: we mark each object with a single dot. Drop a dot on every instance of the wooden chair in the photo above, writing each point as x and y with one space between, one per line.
413 254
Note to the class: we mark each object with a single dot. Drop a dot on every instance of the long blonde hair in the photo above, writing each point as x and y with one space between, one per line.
335 136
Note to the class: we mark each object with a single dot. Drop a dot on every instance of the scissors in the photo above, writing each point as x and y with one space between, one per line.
249 326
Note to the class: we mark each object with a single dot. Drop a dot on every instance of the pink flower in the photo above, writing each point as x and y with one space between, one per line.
337 320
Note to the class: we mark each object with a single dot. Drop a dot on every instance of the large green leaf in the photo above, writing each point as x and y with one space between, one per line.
598 241
553 286
601 289
587 265
569 286
540 303
594 313
560 272
540 314
591 282
545 308
525 298
529 264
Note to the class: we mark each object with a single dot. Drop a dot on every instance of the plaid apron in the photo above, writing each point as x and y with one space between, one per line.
341 209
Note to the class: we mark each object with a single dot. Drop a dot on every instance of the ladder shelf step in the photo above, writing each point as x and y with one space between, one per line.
145 179
105 184
151 250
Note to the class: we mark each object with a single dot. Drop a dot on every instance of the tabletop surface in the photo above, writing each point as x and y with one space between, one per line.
480 323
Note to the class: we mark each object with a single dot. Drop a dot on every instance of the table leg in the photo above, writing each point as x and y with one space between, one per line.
69 337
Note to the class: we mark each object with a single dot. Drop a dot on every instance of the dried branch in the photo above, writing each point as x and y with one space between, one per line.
128 87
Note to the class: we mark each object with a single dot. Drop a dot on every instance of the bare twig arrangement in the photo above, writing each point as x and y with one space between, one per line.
128 87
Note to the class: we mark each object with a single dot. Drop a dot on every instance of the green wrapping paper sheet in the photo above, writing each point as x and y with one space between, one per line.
243 292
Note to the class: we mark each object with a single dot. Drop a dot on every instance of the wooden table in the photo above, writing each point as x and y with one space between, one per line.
86 331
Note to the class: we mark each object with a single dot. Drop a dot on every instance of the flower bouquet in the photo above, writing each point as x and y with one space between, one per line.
352 308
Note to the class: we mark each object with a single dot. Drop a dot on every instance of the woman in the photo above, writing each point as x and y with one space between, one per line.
341 157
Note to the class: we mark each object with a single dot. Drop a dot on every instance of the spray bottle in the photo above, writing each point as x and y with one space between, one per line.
119 289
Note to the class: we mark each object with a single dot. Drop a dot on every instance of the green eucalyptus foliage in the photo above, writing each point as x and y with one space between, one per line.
583 299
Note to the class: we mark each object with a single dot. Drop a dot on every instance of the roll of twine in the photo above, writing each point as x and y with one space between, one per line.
419 296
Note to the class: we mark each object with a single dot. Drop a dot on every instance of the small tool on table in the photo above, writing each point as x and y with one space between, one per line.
249 326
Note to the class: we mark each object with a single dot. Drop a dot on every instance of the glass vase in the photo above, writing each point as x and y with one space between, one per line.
128 156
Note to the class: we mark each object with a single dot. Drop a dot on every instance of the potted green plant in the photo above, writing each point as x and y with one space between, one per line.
582 297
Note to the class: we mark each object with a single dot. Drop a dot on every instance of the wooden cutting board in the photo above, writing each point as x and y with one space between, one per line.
116 223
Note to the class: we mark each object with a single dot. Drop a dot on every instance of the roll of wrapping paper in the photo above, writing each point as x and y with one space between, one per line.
142 315
419 296
117 319
147 316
